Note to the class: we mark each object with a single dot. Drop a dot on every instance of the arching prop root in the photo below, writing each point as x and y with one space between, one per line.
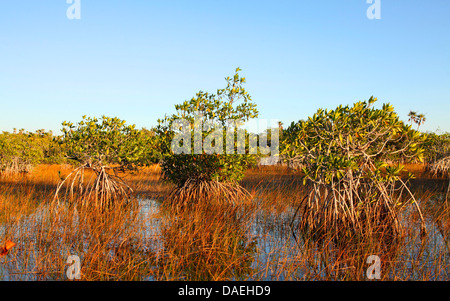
349 210
97 187
441 167
196 191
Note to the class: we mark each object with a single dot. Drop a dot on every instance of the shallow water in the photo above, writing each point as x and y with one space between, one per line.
277 255
276 246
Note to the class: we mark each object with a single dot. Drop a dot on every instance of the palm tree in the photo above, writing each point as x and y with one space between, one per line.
412 116
418 119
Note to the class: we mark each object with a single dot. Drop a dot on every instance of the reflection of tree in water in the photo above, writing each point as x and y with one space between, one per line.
409 256
207 242
333 257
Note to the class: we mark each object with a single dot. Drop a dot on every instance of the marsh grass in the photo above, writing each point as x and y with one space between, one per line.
206 242
256 240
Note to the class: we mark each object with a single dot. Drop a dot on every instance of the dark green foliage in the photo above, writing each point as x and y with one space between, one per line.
108 141
230 105
20 151
346 154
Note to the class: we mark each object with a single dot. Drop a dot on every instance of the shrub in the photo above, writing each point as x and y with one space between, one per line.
438 152
20 151
345 154
200 166
106 147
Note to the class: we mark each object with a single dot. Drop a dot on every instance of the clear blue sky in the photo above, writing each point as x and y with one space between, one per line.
136 59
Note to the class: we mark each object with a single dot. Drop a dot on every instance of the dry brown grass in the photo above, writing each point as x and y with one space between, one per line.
210 241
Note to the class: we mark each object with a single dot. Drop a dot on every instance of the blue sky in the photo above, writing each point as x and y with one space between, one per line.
136 59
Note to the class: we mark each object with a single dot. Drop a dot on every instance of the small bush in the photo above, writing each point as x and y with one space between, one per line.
193 168
106 147
345 154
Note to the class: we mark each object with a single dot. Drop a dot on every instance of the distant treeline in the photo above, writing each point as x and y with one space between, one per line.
21 150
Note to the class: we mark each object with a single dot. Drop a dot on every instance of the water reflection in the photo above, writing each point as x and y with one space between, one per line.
208 242
214 242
